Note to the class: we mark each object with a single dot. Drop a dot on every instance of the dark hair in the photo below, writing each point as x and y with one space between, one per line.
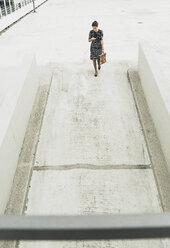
95 23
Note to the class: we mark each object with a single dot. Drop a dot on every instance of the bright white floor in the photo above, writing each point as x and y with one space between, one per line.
58 32
5 21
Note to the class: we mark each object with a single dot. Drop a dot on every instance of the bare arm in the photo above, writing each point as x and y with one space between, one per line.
102 45
89 40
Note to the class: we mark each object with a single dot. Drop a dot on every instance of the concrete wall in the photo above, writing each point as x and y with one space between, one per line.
19 87
157 92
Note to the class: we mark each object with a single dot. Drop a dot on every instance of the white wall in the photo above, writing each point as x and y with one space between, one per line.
15 108
157 92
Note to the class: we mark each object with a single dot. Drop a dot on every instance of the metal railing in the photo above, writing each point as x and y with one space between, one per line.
91 227
8 7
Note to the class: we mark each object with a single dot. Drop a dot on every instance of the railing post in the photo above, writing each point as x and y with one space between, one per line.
14 6
33 1
5 7
10 7
0 12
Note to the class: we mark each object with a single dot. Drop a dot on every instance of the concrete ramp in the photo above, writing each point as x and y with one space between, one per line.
91 120
92 157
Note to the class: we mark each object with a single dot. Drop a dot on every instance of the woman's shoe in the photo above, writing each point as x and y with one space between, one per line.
95 74
99 67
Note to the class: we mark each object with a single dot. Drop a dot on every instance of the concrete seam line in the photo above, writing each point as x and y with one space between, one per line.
157 158
90 167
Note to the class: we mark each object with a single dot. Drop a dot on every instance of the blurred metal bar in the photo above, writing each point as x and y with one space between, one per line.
5 7
0 12
10 6
33 1
98 227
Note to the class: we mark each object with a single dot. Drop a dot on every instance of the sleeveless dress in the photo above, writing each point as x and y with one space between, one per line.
95 47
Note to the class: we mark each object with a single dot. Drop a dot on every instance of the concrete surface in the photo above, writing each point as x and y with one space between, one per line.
15 109
158 161
16 203
157 92
98 244
16 15
92 120
18 196
59 30
87 191
76 99
98 134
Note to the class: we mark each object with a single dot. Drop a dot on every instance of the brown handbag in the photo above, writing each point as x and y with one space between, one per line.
102 58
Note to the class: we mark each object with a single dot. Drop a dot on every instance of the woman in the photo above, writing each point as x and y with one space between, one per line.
97 46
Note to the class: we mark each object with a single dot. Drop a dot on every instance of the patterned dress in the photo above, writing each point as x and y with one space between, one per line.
95 47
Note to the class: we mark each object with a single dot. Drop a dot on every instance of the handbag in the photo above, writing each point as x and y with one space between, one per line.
102 58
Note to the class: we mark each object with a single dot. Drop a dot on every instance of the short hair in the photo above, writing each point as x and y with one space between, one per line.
95 23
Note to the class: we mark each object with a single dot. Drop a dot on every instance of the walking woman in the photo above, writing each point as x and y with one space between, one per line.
97 46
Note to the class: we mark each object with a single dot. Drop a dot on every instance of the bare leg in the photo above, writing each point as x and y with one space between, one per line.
98 63
95 66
